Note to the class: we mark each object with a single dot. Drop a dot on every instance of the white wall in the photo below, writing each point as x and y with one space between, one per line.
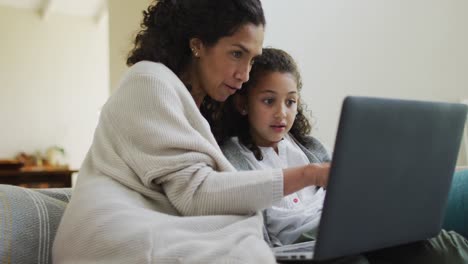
414 49
54 73
124 22
54 77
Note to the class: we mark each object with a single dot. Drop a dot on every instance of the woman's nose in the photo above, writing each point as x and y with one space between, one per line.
242 73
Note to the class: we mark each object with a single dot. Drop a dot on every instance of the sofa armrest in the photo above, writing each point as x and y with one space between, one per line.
29 219
456 214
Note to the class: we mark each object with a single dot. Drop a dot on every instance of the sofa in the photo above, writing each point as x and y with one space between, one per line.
29 219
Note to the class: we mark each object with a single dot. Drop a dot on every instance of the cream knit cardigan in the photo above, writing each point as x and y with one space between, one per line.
156 188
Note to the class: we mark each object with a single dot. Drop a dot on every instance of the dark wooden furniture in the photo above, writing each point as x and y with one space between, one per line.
38 177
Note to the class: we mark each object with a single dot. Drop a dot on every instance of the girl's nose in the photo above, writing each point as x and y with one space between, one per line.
280 111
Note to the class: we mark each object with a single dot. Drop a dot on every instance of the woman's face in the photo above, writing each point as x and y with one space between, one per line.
271 107
221 69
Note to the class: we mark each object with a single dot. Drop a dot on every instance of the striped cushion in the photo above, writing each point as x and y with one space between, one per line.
28 221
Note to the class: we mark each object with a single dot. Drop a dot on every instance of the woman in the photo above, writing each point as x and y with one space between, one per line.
155 187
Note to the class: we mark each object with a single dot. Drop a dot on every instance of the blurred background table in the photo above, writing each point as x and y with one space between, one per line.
38 177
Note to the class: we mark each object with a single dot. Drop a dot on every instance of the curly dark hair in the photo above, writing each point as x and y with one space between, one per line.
168 25
228 122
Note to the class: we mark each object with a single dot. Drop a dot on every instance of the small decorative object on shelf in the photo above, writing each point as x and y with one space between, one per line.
55 156
26 159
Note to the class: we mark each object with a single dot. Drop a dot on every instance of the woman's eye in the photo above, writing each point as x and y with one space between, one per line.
237 54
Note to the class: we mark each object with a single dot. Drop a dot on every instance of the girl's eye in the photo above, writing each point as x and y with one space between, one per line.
290 102
268 101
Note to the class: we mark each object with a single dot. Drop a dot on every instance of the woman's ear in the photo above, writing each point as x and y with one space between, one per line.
196 46
240 104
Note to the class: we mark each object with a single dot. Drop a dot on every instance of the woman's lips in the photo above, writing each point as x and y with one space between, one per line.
232 89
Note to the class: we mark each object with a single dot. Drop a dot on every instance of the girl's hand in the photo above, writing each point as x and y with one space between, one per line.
317 173
300 177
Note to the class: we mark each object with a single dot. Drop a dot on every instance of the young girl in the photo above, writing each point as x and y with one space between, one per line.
264 127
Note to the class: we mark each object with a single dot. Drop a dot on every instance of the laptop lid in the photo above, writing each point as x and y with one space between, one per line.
391 172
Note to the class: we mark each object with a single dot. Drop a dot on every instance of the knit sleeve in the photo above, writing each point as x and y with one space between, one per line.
163 138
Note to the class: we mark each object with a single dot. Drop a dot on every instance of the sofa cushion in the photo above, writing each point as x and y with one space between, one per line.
29 219
456 216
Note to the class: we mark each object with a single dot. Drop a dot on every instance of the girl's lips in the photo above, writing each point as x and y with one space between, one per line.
279 128
279 125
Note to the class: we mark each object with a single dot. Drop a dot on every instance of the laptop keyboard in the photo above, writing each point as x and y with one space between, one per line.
309 248
300 247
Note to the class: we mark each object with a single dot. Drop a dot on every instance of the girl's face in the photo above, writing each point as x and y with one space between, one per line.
271 108
220 70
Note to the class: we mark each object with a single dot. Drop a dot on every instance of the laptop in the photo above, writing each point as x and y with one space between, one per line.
390 176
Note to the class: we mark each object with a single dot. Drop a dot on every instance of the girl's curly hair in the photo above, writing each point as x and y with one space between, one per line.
168 25
227 122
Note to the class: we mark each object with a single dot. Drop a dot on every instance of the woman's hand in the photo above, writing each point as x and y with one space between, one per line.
300 177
